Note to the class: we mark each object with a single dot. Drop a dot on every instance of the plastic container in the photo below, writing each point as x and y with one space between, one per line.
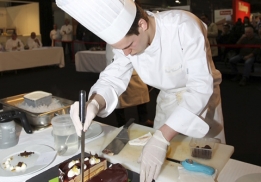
9 134
64 134
202 147
38 98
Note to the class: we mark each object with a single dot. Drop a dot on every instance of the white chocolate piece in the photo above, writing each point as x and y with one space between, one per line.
74 171
72 163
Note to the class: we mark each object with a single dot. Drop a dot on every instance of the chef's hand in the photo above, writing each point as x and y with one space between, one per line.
91 112
152 157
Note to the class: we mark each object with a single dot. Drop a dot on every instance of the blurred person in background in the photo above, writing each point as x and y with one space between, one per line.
55 35
246 55
247 22
33 42
238 29
226 37
66 32
14 44
258 22
212 34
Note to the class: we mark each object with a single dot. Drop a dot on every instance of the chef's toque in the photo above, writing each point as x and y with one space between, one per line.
108 19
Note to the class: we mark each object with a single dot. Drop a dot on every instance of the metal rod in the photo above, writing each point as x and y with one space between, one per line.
82 101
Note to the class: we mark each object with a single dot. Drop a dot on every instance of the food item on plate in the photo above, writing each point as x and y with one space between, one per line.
25 154
20 167
116 172
71 170
95 170
202 152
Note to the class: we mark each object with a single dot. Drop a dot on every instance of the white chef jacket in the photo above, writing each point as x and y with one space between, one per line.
179 63
68 29
32 44
10 43
55 35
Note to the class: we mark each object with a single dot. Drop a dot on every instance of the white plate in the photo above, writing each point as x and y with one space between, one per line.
29 161
255 177
94 130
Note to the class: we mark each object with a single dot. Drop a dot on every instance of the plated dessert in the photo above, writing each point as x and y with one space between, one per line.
95 169
20 166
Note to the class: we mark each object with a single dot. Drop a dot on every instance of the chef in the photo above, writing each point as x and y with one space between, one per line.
33 42
169 51
14 44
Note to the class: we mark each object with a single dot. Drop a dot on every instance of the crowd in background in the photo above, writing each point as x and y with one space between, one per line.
236 43
15 44
242 33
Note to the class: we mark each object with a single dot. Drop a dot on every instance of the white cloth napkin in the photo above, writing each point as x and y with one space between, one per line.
185 175
142 140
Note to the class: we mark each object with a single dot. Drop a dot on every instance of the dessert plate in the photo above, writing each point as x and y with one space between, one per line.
32 165
94 130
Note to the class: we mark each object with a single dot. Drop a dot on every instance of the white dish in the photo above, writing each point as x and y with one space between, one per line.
94 130
30 161
255 177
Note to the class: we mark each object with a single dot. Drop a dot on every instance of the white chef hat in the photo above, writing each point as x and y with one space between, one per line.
108 19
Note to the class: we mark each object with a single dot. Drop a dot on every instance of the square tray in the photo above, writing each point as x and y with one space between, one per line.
36 119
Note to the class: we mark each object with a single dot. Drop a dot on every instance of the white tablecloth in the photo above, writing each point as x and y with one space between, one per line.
44 56
90 61
232 170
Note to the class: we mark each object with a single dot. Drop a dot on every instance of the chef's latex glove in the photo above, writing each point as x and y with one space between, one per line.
152 157
91 112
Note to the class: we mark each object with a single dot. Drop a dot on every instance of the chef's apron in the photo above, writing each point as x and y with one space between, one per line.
136 93
167 101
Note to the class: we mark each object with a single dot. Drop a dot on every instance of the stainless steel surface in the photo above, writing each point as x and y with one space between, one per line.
82 154
36 119
119 141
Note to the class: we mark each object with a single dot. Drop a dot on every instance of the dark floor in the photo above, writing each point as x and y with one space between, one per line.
241 105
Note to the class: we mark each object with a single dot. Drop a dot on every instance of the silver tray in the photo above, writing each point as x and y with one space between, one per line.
36 119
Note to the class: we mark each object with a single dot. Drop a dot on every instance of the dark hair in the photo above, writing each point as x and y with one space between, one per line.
140 14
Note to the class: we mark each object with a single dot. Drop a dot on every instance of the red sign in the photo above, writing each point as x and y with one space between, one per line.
241 9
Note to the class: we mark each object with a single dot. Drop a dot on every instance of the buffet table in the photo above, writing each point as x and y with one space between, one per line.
44 56
128 156
90 61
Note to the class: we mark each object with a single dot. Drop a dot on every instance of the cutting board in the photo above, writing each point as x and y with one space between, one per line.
179 149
